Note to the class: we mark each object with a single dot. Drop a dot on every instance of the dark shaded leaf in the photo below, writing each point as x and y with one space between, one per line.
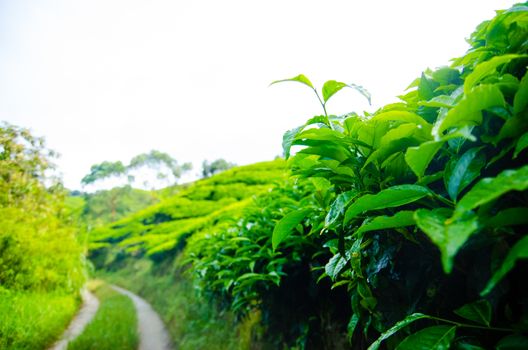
431 338
479 312
518 251
399 325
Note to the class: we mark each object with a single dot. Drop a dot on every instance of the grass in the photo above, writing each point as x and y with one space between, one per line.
114 326
34 320
192 322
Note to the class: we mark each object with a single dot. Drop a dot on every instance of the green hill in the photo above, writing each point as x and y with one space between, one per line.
160 230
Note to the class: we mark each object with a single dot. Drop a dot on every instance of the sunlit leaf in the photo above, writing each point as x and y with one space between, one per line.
391 197
487 68
300 79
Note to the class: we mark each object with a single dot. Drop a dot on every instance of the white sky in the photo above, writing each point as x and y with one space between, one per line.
109 79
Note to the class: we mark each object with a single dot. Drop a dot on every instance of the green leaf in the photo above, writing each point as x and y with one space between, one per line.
464 171
522 143
400 219
352 324
300 79
431 338
509 217
287 140
418 158
285 226
512 342
468 111
402 116
447 235
426 88
391 197
439 102
335 265
518 251
399 325
487 68
479 312
520 101
338 207
489 189
331 87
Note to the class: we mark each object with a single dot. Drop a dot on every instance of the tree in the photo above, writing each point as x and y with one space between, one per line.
216 166
38 250
165 166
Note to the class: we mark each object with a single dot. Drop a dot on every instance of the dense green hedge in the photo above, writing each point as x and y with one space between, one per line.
418 210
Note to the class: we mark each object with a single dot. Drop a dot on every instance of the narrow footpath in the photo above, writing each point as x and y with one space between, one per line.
83 317
152 332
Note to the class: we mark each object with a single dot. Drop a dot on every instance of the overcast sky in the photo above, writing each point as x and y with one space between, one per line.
109 79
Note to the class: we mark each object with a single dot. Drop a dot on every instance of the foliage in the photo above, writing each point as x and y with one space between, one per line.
114 326
159 231
237 266
38 249
33 320
216 166
430 194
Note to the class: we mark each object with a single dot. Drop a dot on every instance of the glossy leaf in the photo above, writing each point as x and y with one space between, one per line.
401 116
399 325
446 234
487 68
335 265
518 251
287 140
509 217
338 207
391 197
520 100
464 171
521 145
431 338
285 226
330 88
299 78
479 312
468 111
400 219
489 189
418 158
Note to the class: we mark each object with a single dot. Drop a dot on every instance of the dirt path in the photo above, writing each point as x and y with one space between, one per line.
83 317
152 332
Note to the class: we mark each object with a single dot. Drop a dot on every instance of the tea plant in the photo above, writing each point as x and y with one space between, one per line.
431 208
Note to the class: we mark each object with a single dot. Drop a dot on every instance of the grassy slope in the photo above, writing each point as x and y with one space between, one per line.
160 231
33 320
114 326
